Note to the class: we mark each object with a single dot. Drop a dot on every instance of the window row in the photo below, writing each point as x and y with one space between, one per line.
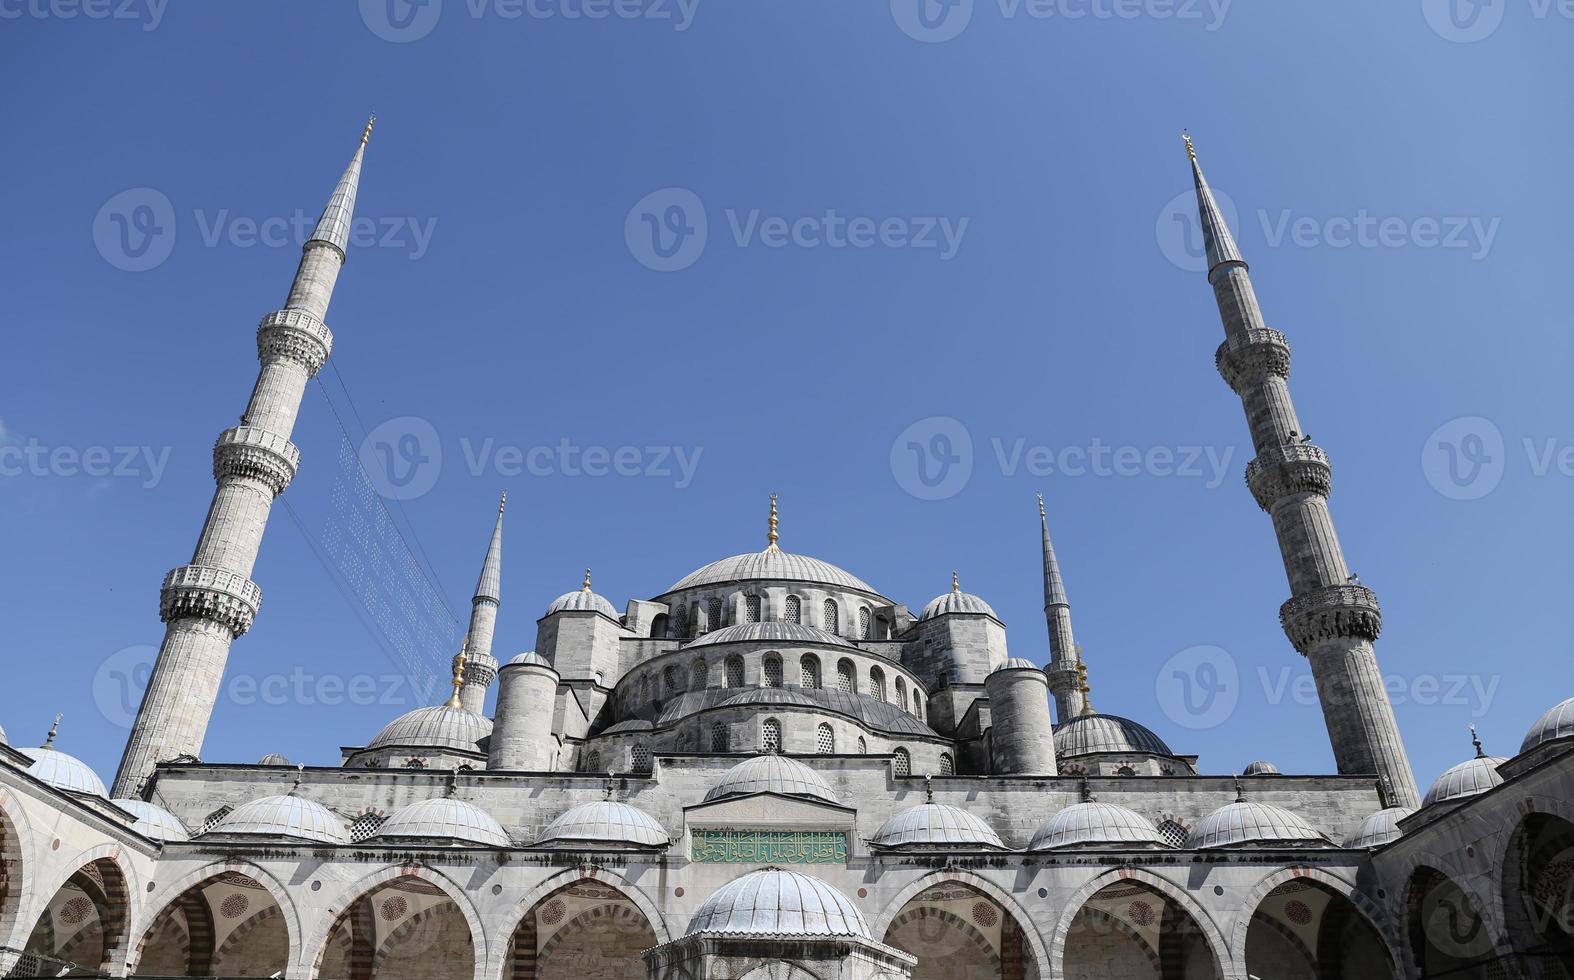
774 674
688 622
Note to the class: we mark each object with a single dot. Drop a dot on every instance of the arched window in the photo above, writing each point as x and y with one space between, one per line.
639 758
833 617
918 706
770 736
1073 769
669 678
214 818
413 763
863 745
825 739
713 619
794 611
1125 771
846 681
751 609
680 623
644 690
877 683
734 671
697 678
863 624
365 825
773 670
809 671
718 737
947 764
593 762
902 763
1173 834
901 693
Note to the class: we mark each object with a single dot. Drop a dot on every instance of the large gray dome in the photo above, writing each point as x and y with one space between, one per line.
1380 828
1466 779
435 727
772 564
283 816
1557 723
1093 823
775 902
1090 734
936 823
786 634
447 819
1242 822
771 774
606 822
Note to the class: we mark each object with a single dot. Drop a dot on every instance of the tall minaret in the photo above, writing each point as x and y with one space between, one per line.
1330 618
481 666
1062 669
211 601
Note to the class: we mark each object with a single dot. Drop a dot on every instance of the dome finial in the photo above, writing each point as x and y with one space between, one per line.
929 788
611 780
1191 151
772 536
1240 790
502 502
586 586
1042 516
1087 790
1082 684
459 673
366 134
1475 740
53 731
956 586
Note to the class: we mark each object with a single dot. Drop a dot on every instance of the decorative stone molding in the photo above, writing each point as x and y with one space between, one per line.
226 597
295 335
247 451
1247 359
1335 611
1283 470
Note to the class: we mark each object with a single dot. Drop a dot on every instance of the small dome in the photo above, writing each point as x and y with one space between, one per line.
1251 823
283 816
582 600
273 759
769 695
1260 768
936 824
1555 724
1094 823
1466 779
1016 663
771 565
771 774
153 821
446 818
1380 828
1089 734
65 772
436 727
956 602
776 902
788 634
532 659
606 822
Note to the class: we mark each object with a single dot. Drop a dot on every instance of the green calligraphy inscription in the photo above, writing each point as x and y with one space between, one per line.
770 847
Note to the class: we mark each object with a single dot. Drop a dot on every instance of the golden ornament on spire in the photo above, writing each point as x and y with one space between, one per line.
1191 151
366 133
502 502
1041 515
772 536
459 673
1082 684
586 586
956 585
55 730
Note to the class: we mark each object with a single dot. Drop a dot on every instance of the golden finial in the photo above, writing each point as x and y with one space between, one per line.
956 586
502 502
1191 151
772 537
459 673
1475 740
586 586
1041 515
55 730
366 133
1082 684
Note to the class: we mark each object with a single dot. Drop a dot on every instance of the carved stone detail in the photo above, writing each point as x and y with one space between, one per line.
247 451
295 335
1332 612
217 594
1283 470
1247 359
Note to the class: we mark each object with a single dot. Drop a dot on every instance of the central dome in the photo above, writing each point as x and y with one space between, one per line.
775 902
772 564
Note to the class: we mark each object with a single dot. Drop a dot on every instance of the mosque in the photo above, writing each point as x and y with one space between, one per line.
771 770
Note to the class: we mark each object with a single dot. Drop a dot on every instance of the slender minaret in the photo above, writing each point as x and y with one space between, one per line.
1330 618
211 601
1062 669
481 666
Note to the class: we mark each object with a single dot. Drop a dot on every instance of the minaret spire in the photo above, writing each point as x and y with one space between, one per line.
480 665
1330 617
209 602
1064 679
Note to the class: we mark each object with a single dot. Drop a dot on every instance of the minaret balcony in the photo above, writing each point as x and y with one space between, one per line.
1280 471
205 591
294 335
252 453
1249 358
1332 612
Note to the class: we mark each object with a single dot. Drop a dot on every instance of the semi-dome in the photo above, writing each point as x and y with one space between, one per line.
153 821
776 902
936 824
771 774
1094 823
531 658
769 695
1089 734
771 565
1243 822
64 771
445 818
787 634
606 822
273 759
283 816
1466 779
1555 724
1380 828
1261 767
956 602
437 727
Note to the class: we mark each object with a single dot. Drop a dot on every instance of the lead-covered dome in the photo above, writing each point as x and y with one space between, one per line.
1017 663
1089 734
436 727
787 634
582 600
273 759
956 602
606 822
769 565
1555 724
776 902
1094 823
64 771
769 695
153 821
1466 779
530 658
283 816
1243 822
771 774
1380 828
445 818
936 824
1261 767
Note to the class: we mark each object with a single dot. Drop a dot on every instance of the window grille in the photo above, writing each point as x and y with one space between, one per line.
669 678
771 736
751 608
680 623
825 739
902 765
1172 834
734 671
593 762
877 683
718 737
863 745
863 624
214 818
713 619
773 671
697 678
947 764
901 694
809 668
640 758
833 618
365 826
844 677
794 609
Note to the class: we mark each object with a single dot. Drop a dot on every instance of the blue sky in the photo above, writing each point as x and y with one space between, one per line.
1018 269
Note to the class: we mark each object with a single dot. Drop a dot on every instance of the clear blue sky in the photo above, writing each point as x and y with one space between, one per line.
519 148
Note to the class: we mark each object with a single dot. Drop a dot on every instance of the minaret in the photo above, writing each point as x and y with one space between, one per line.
1062 669
209 602
1330 618
481 667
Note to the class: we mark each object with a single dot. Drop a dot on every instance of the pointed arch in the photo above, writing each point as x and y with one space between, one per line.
340 905
501 945
1368 911
110 886
1008 903
1175 894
